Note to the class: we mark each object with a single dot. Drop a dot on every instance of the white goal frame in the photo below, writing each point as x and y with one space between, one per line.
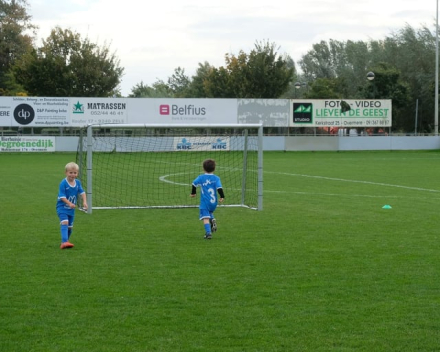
89 185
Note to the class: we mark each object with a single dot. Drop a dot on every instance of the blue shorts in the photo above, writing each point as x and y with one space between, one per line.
205 214
69 218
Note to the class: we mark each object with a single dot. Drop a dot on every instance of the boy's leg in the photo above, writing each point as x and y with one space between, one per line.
64 231
207 227
70 228
213 222
64 224
204 215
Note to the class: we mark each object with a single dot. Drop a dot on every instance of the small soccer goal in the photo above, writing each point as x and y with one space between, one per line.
153 166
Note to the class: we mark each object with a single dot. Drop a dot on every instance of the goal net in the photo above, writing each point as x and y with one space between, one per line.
153 166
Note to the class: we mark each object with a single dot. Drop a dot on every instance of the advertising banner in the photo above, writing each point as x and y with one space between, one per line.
270 112
6 111
341 113
85 111
182 111
37 112
80 112
201 143
27 144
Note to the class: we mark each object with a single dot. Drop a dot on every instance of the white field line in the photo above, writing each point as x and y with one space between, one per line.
351 195
164 178
357 181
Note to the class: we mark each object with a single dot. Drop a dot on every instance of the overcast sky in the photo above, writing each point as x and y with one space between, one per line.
151 39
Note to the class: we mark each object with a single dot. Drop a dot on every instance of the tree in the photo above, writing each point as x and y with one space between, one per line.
387 84
16 39
324 88
269 74
159 89
218 83
69 66
412 52
260 74
405 67
345 61
317 63
179 83
197 87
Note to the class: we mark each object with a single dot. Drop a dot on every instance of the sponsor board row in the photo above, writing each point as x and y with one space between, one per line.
47 144
79 112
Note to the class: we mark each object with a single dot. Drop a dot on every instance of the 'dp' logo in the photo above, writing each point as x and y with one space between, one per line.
164 109
24 114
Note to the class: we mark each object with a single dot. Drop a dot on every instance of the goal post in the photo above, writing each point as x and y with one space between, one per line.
153 165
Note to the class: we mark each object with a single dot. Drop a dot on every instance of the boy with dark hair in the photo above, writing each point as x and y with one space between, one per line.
209 185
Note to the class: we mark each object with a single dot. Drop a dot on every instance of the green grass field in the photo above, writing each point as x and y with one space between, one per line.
322 268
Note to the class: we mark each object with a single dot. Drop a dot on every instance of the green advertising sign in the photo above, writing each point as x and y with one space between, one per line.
341 113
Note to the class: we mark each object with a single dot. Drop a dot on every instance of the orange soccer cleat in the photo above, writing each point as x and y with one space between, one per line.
66 245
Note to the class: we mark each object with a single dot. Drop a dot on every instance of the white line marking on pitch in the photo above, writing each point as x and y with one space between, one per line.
349 195
164 178
355 181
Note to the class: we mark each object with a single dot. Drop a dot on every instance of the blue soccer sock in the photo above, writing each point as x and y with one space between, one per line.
64 233
69 232
207 227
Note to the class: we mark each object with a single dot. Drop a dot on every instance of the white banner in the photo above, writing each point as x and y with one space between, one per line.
341 113
6 111
27 144
37 112
85 111
182 111
79 112
198 144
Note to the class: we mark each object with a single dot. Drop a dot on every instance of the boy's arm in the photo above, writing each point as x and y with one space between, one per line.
84 201
63 197
222 195
193 191
66 201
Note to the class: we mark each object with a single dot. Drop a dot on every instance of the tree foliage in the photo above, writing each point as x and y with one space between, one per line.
197 87
16 39
178 83
388 84
158 89
260 74
346 61
324 88
177 86
403 63
67 65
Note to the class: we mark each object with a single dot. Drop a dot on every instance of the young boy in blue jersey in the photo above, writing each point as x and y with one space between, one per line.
209 185
69 191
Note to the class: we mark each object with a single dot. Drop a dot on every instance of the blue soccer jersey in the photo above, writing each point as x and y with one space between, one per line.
209 184
69 192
